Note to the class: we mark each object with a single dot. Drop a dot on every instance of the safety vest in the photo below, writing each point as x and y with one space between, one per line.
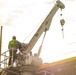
13 44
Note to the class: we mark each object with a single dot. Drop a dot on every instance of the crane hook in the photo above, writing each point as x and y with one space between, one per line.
62 21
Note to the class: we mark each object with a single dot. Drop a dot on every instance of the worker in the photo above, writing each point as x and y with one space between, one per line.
13 46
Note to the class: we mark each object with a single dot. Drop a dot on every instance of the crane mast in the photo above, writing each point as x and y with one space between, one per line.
45 25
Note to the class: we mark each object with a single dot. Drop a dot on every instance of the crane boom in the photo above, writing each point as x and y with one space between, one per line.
44 26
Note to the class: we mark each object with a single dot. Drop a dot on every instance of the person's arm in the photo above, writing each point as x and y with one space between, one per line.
19 44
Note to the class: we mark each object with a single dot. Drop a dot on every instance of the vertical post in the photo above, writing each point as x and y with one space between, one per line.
0 42
0 38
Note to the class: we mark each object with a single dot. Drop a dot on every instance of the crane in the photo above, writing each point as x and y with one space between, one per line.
29 63
35 61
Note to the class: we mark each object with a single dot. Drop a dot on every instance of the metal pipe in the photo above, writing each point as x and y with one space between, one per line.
0 42
0 39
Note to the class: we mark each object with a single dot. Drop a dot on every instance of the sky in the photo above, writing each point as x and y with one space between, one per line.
23 17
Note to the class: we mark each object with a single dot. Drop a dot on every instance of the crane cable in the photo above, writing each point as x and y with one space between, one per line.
38 24
39 51
35 28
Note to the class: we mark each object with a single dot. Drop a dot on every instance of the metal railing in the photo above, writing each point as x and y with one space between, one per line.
4 60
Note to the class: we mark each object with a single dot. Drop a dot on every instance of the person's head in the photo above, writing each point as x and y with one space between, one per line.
14 37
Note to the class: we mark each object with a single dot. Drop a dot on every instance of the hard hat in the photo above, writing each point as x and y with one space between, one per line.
14 37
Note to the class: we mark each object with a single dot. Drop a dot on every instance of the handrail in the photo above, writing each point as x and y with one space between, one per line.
4 52
4 62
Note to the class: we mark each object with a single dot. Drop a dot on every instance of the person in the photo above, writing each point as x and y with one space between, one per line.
13 46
